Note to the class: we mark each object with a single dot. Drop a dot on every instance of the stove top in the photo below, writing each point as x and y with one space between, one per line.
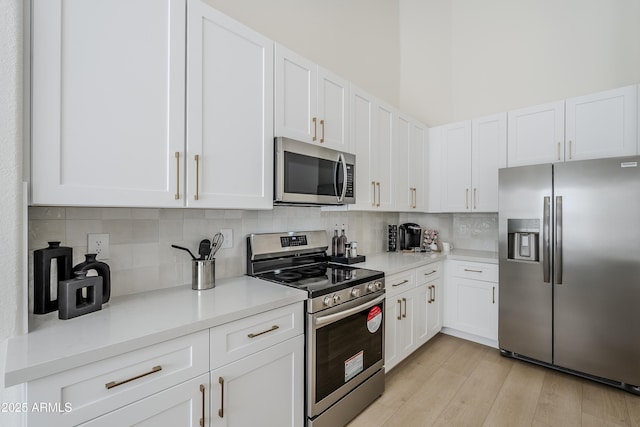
321 278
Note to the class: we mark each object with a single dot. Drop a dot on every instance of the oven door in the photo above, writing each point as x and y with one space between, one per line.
345 346
309 174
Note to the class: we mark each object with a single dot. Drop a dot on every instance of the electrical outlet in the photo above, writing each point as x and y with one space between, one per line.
228 238
98 244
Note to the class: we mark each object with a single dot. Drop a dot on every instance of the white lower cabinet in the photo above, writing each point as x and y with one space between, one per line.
471 301
182 405
413 316
263 389
256 367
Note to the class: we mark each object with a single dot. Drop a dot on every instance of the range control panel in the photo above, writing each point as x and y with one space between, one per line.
290 241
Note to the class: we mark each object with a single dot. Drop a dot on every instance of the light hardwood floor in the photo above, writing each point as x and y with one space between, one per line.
453 382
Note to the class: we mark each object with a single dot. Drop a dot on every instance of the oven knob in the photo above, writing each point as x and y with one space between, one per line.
327 301
355 292
370 287
336 298
378 285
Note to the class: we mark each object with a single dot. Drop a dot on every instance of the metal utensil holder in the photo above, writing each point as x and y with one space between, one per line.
203 274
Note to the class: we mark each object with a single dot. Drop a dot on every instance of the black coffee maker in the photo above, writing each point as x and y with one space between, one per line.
410 236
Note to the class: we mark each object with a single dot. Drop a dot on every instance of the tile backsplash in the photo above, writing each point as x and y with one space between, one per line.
141 257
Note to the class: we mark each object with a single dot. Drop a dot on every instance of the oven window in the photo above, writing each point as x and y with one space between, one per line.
311 175
345 348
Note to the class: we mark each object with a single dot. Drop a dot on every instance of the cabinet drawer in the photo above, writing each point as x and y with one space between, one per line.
400 282
428 273
234 340
475 270
100 387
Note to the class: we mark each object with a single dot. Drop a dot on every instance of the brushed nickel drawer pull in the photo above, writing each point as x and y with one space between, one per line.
400 310
431 272
378 186
322 137
494 295
202 388
405 307
473 271
273 328
113 384
221 410
373 184
401 283
315 128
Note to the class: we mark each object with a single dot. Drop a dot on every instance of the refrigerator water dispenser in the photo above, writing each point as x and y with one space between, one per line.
523 239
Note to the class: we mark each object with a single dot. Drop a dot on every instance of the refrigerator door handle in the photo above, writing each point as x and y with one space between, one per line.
546 240
558 233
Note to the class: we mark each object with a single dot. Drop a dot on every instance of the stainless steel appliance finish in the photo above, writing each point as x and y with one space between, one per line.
344 321
574 306
312 175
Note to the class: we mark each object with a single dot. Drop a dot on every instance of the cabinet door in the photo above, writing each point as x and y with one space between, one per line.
417 165
456 162
488 154
383 147
421 314
536 135
333 111
264 389
229 114
182 405
296 94
434 170
362 113
475 307
403 191
107 104
393 332
434 308
602 124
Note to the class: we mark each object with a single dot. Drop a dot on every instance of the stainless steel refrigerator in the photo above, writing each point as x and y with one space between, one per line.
569 253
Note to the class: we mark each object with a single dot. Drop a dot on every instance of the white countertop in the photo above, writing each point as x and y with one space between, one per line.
135 321
396 262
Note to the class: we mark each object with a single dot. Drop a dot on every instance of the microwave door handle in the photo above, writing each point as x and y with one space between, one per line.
342 160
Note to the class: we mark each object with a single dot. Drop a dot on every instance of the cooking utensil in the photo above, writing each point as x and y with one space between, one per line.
204 249
216 244
184 249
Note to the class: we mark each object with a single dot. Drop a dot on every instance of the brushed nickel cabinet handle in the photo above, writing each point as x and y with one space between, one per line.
315 129
405 307
401 283
433 299
400 310
373 185
466 197
558 151
378 185
202 388
429 299
431 272
113 384
494 295
197 195
473 271
177 195
475 198
570 153
322 137
221 410
273 328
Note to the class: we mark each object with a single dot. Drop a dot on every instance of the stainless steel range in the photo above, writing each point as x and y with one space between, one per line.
344 321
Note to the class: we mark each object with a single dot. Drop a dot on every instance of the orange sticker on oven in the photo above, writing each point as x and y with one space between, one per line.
374 319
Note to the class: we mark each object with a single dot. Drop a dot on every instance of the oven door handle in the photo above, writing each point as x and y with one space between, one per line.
320 321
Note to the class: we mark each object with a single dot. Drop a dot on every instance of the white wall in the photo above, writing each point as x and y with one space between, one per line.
357 39
464 58
12 246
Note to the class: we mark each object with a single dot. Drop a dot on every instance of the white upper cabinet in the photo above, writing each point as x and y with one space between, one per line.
456 163
362 115
382 157
536 135
311 104
229 113
433 176
602 124
488 154
410 144
108 102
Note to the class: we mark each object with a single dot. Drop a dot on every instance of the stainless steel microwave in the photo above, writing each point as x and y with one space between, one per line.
312 175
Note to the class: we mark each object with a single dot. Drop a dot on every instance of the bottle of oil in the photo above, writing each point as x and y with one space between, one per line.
342 242
334 242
